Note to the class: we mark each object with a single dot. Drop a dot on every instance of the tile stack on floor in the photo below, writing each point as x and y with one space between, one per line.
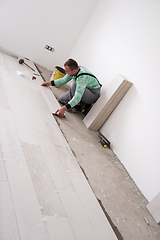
44 194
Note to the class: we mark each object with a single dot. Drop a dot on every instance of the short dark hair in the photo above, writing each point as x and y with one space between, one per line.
72 64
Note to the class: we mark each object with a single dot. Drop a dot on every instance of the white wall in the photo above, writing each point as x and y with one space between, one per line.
124 37
27 26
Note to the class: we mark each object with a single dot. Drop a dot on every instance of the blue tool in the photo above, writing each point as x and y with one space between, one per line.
36 74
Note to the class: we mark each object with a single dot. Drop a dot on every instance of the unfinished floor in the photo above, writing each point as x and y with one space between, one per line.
120 198
56 180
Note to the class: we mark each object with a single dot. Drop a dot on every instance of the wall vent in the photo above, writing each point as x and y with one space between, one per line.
51 49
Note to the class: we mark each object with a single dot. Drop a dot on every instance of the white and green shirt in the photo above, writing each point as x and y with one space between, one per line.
82 82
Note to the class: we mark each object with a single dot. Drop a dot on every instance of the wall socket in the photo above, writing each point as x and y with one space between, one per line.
49 48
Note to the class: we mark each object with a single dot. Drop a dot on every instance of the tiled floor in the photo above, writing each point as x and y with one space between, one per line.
43 192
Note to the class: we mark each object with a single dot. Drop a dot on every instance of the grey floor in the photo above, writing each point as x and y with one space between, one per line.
56 180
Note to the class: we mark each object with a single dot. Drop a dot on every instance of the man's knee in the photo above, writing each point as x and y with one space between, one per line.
61 99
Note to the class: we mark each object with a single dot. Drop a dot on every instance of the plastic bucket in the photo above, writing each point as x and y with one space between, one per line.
58 73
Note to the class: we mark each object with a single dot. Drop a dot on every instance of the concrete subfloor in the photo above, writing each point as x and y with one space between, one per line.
122 201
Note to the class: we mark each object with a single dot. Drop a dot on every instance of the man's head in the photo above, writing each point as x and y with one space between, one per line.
71 67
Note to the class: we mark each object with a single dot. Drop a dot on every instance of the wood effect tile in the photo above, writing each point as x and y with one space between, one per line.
27 210
70 160
92 208
24 128
49 98
3 174
51 142
9 84
3 98
9 140
55 160
59 228
44 185
8 224
14 98
77 216
32 110
22 94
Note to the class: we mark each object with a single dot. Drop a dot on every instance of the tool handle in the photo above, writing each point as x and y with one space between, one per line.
29 66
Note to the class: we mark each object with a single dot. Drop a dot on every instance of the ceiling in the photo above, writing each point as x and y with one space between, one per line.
27 26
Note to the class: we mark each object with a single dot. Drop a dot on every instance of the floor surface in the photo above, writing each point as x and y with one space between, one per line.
43 191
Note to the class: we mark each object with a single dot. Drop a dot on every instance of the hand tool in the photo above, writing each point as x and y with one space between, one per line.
36 74
55 114
103 143
103 140
21 61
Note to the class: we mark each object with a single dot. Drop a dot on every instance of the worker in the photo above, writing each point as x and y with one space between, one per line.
84 90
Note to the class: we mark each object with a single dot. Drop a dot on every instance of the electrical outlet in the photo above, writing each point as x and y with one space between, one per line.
49 48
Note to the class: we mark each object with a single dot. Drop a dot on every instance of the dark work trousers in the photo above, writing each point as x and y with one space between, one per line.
89 97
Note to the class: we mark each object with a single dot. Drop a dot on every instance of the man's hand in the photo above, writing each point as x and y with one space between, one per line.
60 112
46 83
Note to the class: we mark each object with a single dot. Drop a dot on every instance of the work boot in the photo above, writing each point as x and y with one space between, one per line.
87 108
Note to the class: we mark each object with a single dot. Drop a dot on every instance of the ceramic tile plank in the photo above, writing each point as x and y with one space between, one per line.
8 224
107 102
55 160
16 82
14 98
92 208
32 110
39 114
50 98
8 80
41 109
23 89
15 105
70 160
3 98
3 174
28 214
76 215
25 92
59 228
46 192
20 118
9 141
64 152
